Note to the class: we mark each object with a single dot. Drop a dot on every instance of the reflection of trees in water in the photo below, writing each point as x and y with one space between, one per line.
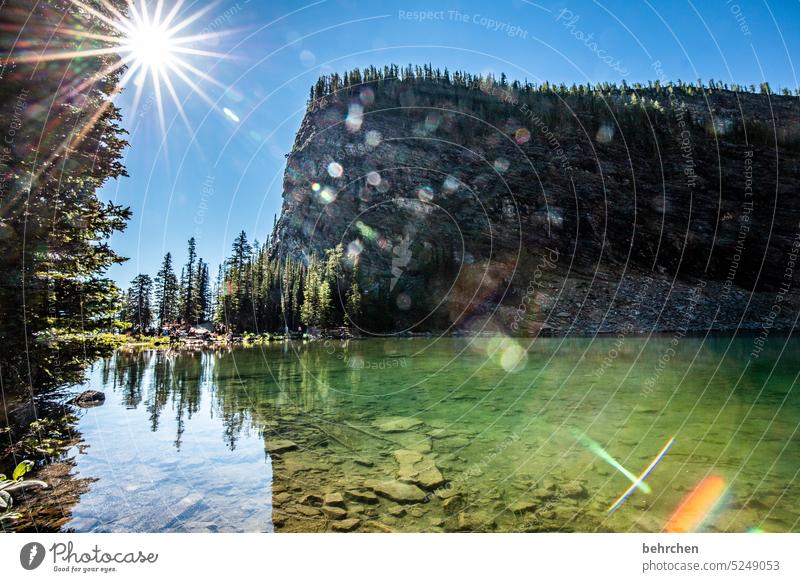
187 379
155 379
128 375
249 389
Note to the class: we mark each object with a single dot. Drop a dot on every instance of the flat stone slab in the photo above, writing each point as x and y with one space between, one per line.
277 446
396 491
396 423
418 469
334 512
523 506
365 496
334 500
346 524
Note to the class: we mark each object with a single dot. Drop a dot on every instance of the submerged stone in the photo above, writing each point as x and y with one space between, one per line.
367 497
396 423
307 510
334 500
478 521
89 399
277 446
396 491
334 512
418 469
346 524
574 490
397 511
523 506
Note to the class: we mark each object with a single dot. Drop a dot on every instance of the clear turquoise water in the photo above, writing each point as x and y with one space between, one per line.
179 444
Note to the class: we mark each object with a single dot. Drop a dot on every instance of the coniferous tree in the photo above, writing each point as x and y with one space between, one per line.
166 292
188 284
138 305
54 229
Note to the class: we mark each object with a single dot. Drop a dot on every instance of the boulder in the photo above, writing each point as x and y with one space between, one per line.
346 524
89 399
418 469
334 512
334 500
396 491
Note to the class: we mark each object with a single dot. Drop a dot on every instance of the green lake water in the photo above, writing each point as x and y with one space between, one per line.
253 439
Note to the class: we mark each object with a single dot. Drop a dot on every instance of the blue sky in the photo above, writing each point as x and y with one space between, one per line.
226 174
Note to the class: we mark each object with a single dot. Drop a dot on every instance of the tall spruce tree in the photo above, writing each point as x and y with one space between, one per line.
138 306
166 292
188 284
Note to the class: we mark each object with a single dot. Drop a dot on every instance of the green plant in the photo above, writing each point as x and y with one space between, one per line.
17 481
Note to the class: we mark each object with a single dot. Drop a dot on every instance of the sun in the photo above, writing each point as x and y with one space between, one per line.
154 50
151 45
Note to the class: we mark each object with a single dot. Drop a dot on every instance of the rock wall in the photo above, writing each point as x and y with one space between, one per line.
486 209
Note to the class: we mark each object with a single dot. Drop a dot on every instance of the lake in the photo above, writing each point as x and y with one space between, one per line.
443 434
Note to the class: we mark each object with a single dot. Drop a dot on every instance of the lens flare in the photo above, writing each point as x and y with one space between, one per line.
598 450
642 477
697 506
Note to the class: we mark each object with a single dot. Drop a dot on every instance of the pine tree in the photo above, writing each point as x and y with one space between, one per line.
188 285
166 292
138 310
353 307
202 292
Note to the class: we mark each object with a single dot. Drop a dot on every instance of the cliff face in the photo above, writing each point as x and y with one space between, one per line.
574 211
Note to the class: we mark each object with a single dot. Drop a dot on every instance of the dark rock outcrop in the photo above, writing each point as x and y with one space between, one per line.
491 208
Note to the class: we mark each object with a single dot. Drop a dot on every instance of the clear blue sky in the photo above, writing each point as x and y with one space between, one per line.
228 175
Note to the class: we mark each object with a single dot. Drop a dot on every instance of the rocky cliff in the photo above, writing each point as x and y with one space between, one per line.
482 205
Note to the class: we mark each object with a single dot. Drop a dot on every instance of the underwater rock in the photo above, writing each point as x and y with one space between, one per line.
418 469
307 511
397 511
413 442
378 527
478 521
523 506
281 498
396 423
454 503
542 494
396 491
277 446
346 524
574 490
334 512
334 500
89 399
312 500
367 497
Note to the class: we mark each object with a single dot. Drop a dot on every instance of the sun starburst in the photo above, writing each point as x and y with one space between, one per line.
153 45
